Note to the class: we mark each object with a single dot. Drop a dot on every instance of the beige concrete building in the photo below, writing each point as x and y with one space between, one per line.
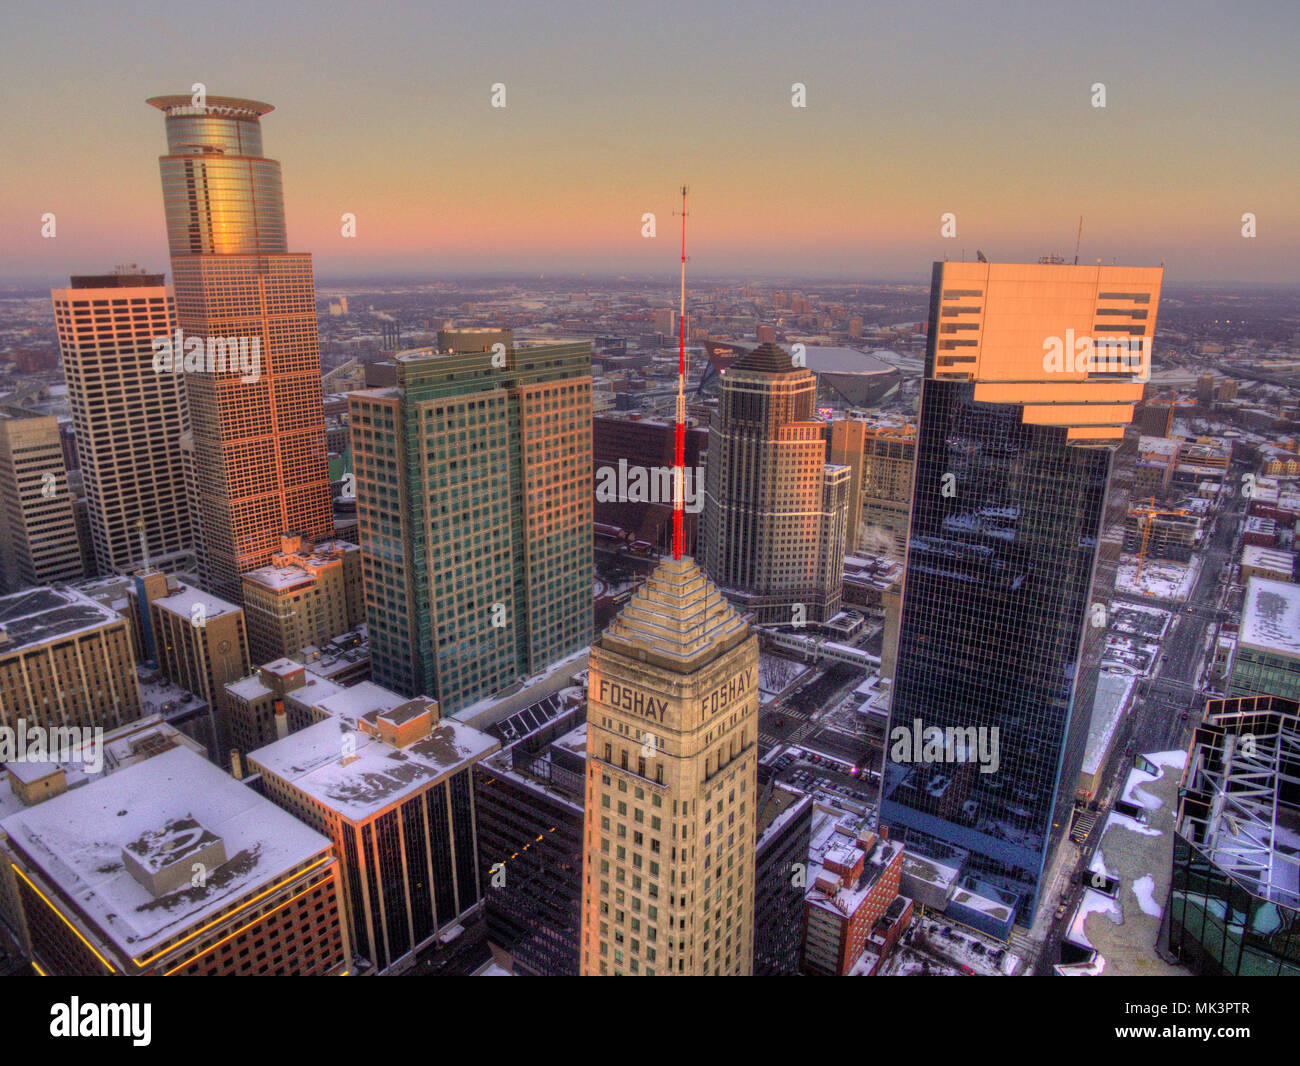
25 784
672 731
129 417
776 512
38 528
65 660
1270 563
268 900
309 593
278 699
882 457
201 644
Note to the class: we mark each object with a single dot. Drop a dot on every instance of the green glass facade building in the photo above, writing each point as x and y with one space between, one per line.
1267 656
474 506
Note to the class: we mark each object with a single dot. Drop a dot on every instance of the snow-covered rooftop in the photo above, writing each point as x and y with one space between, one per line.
358 775
40 614
77 840
185 598
1270 617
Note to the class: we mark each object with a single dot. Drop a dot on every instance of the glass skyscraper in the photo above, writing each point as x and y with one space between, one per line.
1017 521
257 461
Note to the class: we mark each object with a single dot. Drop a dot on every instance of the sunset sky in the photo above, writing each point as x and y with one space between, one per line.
914 109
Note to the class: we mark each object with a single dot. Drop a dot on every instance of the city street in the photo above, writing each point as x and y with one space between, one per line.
1156 720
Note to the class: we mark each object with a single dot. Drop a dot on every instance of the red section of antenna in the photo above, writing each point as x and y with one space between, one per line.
679 466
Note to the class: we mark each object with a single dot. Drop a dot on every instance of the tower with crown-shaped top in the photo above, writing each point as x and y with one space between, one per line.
672 733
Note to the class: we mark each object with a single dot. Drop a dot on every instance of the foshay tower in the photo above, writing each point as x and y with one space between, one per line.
672 735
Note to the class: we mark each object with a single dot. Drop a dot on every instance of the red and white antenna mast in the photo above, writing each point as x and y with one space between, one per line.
679 463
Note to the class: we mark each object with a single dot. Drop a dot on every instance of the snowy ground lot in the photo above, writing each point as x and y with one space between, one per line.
1123 930
775 673
832 792
1139 621
1160 580
1127 656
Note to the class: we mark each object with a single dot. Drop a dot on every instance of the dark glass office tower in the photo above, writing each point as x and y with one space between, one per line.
1016 526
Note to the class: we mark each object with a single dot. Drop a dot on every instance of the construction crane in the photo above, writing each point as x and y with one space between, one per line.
1077 241
1147 512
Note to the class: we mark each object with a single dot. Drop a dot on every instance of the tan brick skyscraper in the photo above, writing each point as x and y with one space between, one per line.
672 749
129 418
258 445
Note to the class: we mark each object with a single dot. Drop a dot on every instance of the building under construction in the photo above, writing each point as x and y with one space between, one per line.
1153 534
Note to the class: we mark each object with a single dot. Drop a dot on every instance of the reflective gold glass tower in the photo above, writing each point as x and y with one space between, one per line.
258 438
672 730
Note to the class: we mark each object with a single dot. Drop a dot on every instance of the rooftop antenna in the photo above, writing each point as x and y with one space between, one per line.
141 528
679 463
1077 241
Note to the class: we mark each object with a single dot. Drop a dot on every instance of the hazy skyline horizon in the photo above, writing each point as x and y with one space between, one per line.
910 114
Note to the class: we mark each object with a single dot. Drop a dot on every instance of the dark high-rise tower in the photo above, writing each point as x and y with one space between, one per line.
258 428
775 514
1017 521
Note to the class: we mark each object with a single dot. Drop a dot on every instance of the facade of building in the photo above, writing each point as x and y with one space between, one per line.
853 878
391 785
201 644
780 874
306 595
530 815
474 507
1234 896
1023 477
65 660
129 418
261 708
648 444
1269 563
257 425
671 795
25 784
1267 659
882 458
38 527
776 515
1162 536
187 873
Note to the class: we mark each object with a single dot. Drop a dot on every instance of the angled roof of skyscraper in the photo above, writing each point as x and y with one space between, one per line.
677 619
